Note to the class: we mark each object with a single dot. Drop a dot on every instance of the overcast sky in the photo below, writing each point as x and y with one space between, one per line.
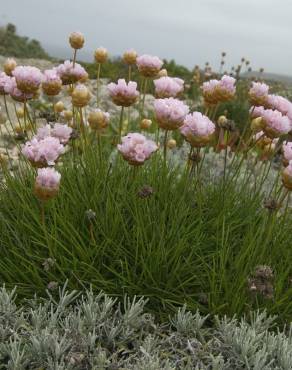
190 31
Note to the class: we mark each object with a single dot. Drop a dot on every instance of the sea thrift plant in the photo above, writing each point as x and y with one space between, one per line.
197 129
76 40
166 87
122 93
9 65
170 113
58 130
80 96
287 176
136 149
130 56
281 104
149 65
70 74
28 79
258 93
52 83
44 152
216 91
275 124
47 183
101 55
287 152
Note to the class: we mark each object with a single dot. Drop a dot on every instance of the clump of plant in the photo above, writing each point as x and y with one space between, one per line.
184 215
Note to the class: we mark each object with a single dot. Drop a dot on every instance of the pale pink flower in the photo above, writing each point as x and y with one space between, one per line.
62 132
44 152
170 113
43 132
48 178
4 78
281 104
28 79
136 148
256 111
227 84
276 124
52 82
215 91
258 93
197 129
11 88
166 87
149 65
287 150
123 93
70 74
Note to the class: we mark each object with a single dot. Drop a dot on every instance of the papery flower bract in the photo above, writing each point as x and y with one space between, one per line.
47 183
149 65
76 40
101 55
28 79
4 78
130 56
123 93
166 87
136 148
44 152
70 74
11 88
197 129
80 96
98 119
9 65
52 83
258 93
170 113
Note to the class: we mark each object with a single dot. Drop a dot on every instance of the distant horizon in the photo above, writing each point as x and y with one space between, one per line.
189 32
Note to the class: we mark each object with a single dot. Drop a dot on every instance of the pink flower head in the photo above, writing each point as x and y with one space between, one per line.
43 132
149 65
287 150
258 93
281 104
48 178
28 79
166 87
136 149
44 152
276 124
257 111
123 93
70 74
197 129
215 91
170 113
4 78
62 132
11 88
47 183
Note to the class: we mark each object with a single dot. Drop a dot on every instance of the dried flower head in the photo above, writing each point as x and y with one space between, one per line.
80 96
9 66
145 192
98 119
130 57
101 55
52 83
76 40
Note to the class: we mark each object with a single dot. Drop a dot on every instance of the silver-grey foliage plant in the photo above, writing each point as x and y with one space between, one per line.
88 331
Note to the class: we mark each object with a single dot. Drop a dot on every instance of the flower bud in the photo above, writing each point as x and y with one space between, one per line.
130 57
171 144
100 55
67 115
9 66
59 106
257 124
98 119
222 120
20 112
162 73
145 124
76 40
80 96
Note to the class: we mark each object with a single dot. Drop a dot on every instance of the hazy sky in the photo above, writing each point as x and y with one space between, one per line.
190 31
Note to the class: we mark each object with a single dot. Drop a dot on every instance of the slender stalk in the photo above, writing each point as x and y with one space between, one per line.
82 126
43 213
165 145
129 72
97 80
74 57
99 145
7 112
121 123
